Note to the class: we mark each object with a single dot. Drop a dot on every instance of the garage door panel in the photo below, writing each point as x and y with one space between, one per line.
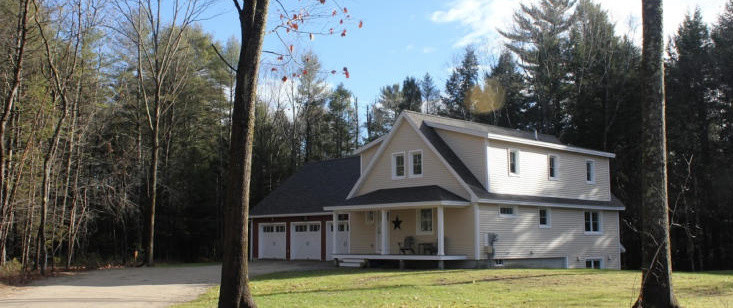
305 241
272 241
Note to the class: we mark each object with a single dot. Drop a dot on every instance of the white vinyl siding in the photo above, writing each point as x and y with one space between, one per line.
520 238
367 156
571 174
470 149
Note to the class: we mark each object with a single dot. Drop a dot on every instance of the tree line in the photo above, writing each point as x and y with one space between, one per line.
115 131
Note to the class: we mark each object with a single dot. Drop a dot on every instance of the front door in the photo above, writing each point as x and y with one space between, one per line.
342 238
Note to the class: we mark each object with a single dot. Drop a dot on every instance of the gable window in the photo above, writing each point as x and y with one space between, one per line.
544 218
593 263
398 165
507 211
425 221
590 171
552 167
416 163
592 222
513 162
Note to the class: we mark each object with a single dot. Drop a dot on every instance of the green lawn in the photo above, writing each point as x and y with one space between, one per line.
473 288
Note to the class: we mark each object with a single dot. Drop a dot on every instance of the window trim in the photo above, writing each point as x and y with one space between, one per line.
600 223
548 212
394 166
592 171
549 167
412 167
418 222
509 162
515 209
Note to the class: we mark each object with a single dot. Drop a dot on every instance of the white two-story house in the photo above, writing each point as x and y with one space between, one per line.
455 193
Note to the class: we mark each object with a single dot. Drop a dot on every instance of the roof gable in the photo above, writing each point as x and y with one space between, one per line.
403 137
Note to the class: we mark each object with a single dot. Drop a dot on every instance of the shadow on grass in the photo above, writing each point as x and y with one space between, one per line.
386 273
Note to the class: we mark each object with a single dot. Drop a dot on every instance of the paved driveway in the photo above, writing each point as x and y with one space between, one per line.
135 287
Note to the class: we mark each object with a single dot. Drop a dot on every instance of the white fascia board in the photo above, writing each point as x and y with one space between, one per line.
290 215
537 143
555 205
368 145
403 205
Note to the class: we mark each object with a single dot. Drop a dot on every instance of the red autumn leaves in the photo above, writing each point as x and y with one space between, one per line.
295 22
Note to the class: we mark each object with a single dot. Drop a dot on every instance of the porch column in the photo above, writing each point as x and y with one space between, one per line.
384 243
441 235
333 233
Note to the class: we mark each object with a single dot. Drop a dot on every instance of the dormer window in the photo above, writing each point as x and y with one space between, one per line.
398 165
416 163
590 172
513 162
552 167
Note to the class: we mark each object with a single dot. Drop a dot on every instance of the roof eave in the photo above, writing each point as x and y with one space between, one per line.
398 205
552 204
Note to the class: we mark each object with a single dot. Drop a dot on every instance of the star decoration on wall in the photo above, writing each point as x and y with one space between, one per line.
397 223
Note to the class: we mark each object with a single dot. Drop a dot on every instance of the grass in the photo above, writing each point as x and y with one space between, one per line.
472 288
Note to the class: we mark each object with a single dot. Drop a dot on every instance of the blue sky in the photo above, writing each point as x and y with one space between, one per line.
410 38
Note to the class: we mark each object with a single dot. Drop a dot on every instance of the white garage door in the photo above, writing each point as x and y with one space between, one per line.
272 241
305 241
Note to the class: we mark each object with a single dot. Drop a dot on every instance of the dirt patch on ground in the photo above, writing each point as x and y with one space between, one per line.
133 287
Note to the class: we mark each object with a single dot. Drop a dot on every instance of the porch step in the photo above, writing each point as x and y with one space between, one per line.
351 262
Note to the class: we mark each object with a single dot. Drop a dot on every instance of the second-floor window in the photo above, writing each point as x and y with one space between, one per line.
513 162
590 171
552 167
398 165
416 163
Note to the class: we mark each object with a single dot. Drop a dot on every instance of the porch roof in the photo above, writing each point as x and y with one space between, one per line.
403 197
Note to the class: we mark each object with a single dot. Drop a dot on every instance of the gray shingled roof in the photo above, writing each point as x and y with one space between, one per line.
315 185
405 194
485 128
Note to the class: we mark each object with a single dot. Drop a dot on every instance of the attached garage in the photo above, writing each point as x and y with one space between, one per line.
272 241
305 241
290 222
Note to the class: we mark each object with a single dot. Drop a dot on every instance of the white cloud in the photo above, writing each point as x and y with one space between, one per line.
428 49
481 18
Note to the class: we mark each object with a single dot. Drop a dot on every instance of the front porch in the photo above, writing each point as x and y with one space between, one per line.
427 231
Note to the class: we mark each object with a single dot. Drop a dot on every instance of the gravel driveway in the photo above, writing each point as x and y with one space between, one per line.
135 287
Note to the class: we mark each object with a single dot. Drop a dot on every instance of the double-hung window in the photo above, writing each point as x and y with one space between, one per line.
425 221
552 167
416 163
544 215
592 222
398 165
513 162
590 172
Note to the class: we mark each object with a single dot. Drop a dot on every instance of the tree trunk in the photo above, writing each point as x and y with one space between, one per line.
235 290
656 284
